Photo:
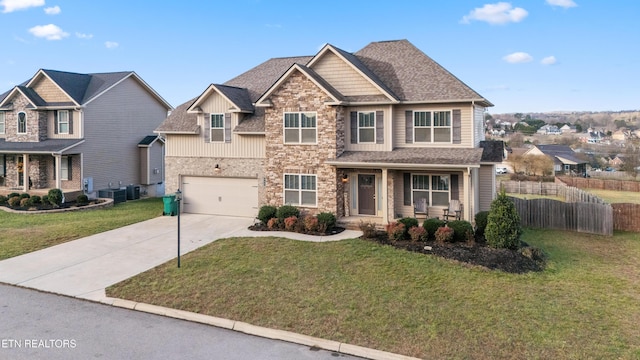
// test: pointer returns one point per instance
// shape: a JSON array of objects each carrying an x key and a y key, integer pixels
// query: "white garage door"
[{"x": 220, "y": 196}]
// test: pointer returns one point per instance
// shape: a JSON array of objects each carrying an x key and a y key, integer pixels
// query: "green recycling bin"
[{"x": 170, "y": 205}]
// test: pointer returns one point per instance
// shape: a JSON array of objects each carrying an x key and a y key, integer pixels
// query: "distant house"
[
  {"x": 549, "y": 130},
  {"x": 566, "y": 129},
  {"x": 564, "y": 158},
  {"x": 81, "y": 133},
  {"x": 617, "y": 160},
  {"x": 619, "y": 135}
]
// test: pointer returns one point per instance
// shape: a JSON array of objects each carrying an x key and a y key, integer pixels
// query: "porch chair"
[
  {"x": 453, "y": 211},
  {"x": 421, "y": 208}
]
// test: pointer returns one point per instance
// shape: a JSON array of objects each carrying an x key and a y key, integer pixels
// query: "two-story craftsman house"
[
  {"x": 80, "y": 133},
  {"x": 364, "y": 134}
]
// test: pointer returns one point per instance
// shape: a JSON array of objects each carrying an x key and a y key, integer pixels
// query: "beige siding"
[
  {"x": 434, "y": 211},
  {"x": 386, "y": 146},
  {"x": 478, "y": 125},
  {"x": 343, "y": 77},
  {"x": 49, "y": 91},
  {"x": 77, "y": 126},
  {"x": 114, "y": 125},
  {"x": 487, "y": 186},
  {"x": 399, "y": 132}
]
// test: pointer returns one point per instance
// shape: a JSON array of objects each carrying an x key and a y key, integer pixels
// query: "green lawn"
[
  {"x": 23, "y": 233},
  {"x": 613, "y": 197},
  {"x": 586, "y": 304}
]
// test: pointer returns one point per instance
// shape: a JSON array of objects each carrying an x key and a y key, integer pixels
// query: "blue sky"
[{"x": 524, "y": 56}]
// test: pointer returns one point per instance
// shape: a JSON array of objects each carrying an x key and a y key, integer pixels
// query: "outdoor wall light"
[
  {"x": 217, "y": 168},
  {"x": 345, "y": 178}
]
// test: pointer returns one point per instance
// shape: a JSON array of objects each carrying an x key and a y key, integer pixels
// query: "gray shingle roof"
[
  {"x": 180, "y": 121},
  {"x": 253, "y": 123},
  {"x": 562, "y": 151},
  {"x": 239, "y": 96},
  {"x": 412, "y": 75},
  {"x": 356, "y": 61},
  {"x": 38, "y": 147},
  {"x": 148, "y": 140},
  {"x": 416, "y": 156},
  {"x": 492, "y": 150}
]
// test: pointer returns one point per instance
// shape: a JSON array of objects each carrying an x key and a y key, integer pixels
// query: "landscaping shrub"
[
  {"x": 14, "y": 201},
  {"x": 311, "y": 223},
  {"x": 266, "y": 213},
  {"x": 503, "y": 224},
  {"x": 24, "y": 202},
  {"x": 55, "y": 197},
  {"x": 368, "y": 229},
  {"x": 395, "y": 231},
  {"x": 462, "y": 230},
  {"x": 286, "y": 211},
  {"x": 444, "y": 234},
  {"x": 24, "y": 196},
  {"x": 3, "y": 200},
  {"x": 13, "y": 194},
  {"x": 326, "y": 221},
  {"x": 290, "y": 223},
  {"x": 45, "y": 200},
  {"x": 408, "y": 222},
  {"x": 36, "y": 200},
  {"x": 432, "y": 225},
  {"x": 481, "y": 222},
  {"x": 273, "y": 223},
  {"x": 418, "y": 233},
  {"x": 82, "y": 199}
]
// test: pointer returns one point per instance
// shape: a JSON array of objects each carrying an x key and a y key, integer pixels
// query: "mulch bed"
[{"x": 332, "y": 231}]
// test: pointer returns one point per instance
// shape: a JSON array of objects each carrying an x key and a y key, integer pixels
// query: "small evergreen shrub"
[
  {"x": 368, "y": 229},
  {"x": 395, "y": 231},
  {"x": 266, "y": 213},
  {"x": 36, "y": 200},
  {"x": 82, "y": 199},
  {"x": 418, "y": 233},
  {"x": 3, "y": 200},
  {"x": 13, "y": 194},
  {"x": 481, "y": 222},
  {"x": 24, "y": 196},
  {"x": 462, "y": 229},
  {"x": 432, "y": 225},
  {"x": 24, "y": 202},
  {"x": 45, "y": 200},
  {"x": 286, "y": 211},
  {"x": 290, "y": 223},
  {"x": 14, "y": 201},
  {"x": 326, "y": 221},
  {"x": 408, "y": 222},
  {"x": 444, "y": 234},
  {"x": 55, "y": 197},
  {"x": 503, "y": 224},
  {"x": 311, "y": 223}
]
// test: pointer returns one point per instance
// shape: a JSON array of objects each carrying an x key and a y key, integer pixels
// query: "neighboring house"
[
  {"x": 565, "y": 129},
  {"x": 81, "y": 133},
  {"x": 620, "y": 135},
  {"x": 549, "y": 130},
  {"x": 362, "y": 134},
  {"x": 564, "y": 158},
  {"x": 617, "y": 161}
]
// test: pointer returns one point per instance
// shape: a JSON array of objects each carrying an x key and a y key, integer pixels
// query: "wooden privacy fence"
[
  {"x": 568, "y": 193},
  {"x": 584, "y": 217},
  {"x": 602, "y": 184},
  {"x": 626, "y": 217}
]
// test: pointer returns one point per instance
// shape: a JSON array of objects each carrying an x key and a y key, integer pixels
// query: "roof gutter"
[{"x": 397, "y": 166}]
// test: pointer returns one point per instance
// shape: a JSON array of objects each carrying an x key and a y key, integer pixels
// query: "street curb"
[{"x": 260, "y": 331}]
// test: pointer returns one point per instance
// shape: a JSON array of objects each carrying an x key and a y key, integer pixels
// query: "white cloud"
[
  {"x": 498, "y": 13},
  {"x": 49, "y": 32},
  {"x": 562, "y": 3},
  {"x": 111, "y": 44},
  {"x": 84, "y": 36},
  {"x": 52, "y": 10},
  {"x": 549, "y": 60},
  {"x": 518, "y": 57},
  {"x": 13, "y": 5}
]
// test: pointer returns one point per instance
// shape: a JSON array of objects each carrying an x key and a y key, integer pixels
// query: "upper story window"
[
  {"x": 300, "y": 190},
  {"x": 432, "y": 127},
  {"x": 217, "y": 127},
  {"x": 367, "y": 127},
  {"x": 22, "y": 122},
  {"x": 300, "y": 128},
  {"x": 63, "y": 121},
  {"x": 2, "y": 122}
]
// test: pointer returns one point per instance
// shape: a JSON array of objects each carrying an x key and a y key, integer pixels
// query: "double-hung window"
[
  {"x": 22, "y": 122},
  {"x": 300, "y": 190},
  {"x": 432, "y": 127},
  {"x": 367, "y": 127},
  {"x": 2, "y": 122},
  {"x": 63, "y": 121},
  {"x": 300, "y": 128},
  {"x": 434, "y": 188},
  {"x": 217, "y": 127}
]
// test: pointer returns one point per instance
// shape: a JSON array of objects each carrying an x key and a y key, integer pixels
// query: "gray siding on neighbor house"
[
  {"x": 114, "y": 124},
  {"x": 487, "y": 186}
]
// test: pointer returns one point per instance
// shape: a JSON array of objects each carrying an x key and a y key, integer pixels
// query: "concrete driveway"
[{"x": 84, "y": 268}]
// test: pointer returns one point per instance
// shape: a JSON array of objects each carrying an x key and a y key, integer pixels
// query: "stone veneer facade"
[
  {"x": 299, "y": 94},
  {"x": 36, "y": 122}
]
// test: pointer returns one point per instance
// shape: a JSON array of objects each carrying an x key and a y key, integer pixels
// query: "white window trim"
[
  {"x": 430, "y": 191},
  {"x": 63, "y": 122},
  {"x": 300, "y": 190},
  {"x": 367, "y": 127},
  {"x": 211, "y": 128},
  {"x": 64, "y": 164},
  {"x": 299, "y": 128},
  {"x": 3, "y": 123},
  {"x": 433, "y": 127},
  {"x": 18, "y": 123}
]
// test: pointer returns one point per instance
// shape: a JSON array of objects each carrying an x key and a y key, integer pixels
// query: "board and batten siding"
[
  {"x": 114, "y": 124},
  {"x": 478, "y": 125},
  {"x": 467, "y": 128},
  {"x": 343, "y": 77}
]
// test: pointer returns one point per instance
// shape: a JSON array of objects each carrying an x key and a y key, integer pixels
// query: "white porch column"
[
  {"x": 58, "y": 174},
  {"x": 466, "y": 211},
  {"x": 385, "y": 197},
  {"x": 25, "y": 172}
]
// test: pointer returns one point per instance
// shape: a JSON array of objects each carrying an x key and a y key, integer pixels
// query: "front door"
[{"x": 366, "y": 194}]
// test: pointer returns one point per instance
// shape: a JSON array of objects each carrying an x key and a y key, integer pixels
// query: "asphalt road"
[{"x": 37, "y": 325}]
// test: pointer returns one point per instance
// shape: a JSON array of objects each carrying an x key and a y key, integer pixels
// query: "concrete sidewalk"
[{"x": 84, "y": 268}]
